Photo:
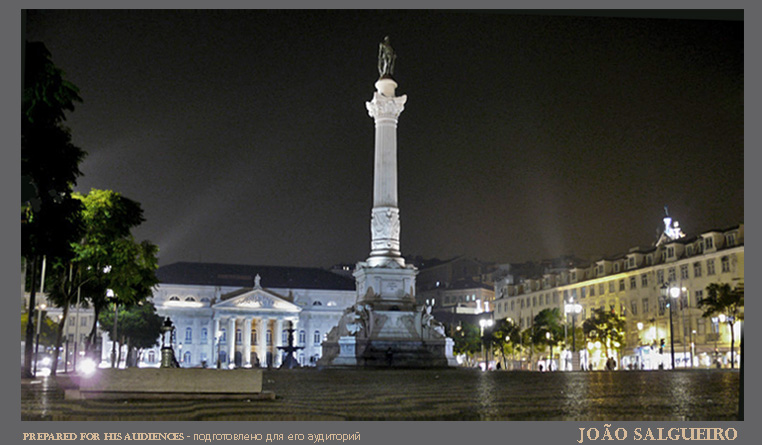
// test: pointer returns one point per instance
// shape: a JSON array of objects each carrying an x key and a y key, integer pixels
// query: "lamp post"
[
  {"x": 482, "y": 323},
  {"x": 673, "y": 293},
  {"x": 110, "y": 295},
  {"x": 40, "y": 308}
]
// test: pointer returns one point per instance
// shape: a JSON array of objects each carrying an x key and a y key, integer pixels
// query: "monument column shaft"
[
  {"x": 385, "y": 108},
  {"x": 385, "y": 166}
]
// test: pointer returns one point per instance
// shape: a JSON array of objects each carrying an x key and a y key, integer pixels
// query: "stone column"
[
  {"x": 246, "y": 343},
  {"x": 214, "y": 356},
  {"x": 261, "y": 342},
  {"x": 278, "y": 341},
  {"x": 231, "y": 340},
  {"x": 295, "y": 327},
  {"x": 385, "y": 108}
]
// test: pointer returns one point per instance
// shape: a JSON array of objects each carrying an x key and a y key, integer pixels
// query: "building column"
[
  {"x": 215, "y": 342},
  {"x": 295, "y": 327},
  {"x": 261, "y": 346},
  {"x": 278, "y": 341},
  {"x": 246, "y": 343},
  {"x": 231, "y": 340}
]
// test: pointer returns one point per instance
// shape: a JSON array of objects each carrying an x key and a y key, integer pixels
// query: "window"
[
  {"x": 690, "y": 250},
  {"x": 662, "y": 306},
  {"x": 583, "y": 291},
  {"x": 302, "y": 337},
  {"x": 284, "y": 337},
  {"x": 631, "y": 262},
  {"x": 684, "y": 272},
  {"x": 612, "y": 286},
  {"x": 190, "y": 299},
  {"x": 710, "y": 267},
  {"x": 534, "y": 301},
  {"x": 547, "y": 298},
  {"x": 621, "y": 284},
  {"x": 204, "y": 335},
  {"x": 697, "y": 269},
  {"x": 254, "y": 337},
  {"x": 223, "y": 336},
  {"x": 670, "y": 252},
  {"x": 633, "y": 282},
  {"x": 644, "y": 280},
  {"x": 616, "y": 267},
  {"x": 269, "y": 337},
  {"x": 645, "y": 305},
  {"x": 699, "y": 295},
  {"x": 600, "y": 270},
  {"x": 317, "y": 303},
  {"x": 574, "y": 294},
  {"x": 708, "y": 243},
  {"x": 238, "y": 336},
  {"x": 555, "y": 297},
  {"x": 672, "y": 275},
  {"x": 601, "y": 289},
  {"x": 649, "y": 260},
  {"x": 634, "y": 307},
  {"x": 730, "y": 240},
  {"x": 660, "y": 276},
  {"x": 592, "y": 290},
  {"x": 83, "y": 321},
  {"x": 316, "y": 338},
  {"x": 151, "y": 356},
  {"x": 574, "y": 276},
  {"x": 187, "y": 357},
  {"x": 522, "y": 303},
  {"x": 700, "y": 326},
  {"x": 174, "y": 298},
  {"x": 188, "y": 335},
  {"x": 725, "y": 261},
  {"x": 512, "y": 304}
]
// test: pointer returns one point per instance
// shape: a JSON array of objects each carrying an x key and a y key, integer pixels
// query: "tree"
[
  {"x": 466, "y": 339},
  {"x": 138, "y": 326},
  {"x": 548, "y": 329},
  {"x": 606, "y": 327},
  {"x": 722, "y": 300},
  {"x": 49, "y": 170},
  {"x": 48, "y": 329},
  {"x": 105, "y": 257},
  {"x": 506, "y": 338}
]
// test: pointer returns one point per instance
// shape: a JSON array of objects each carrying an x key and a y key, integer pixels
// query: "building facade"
[
  {"x": 631, "y": 286},
  {"x": 231, "y": 316}
]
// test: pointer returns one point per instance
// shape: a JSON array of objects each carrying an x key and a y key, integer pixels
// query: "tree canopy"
[
  {"x": 606, "y": 327},
  {"x": 49, "y": 170},
  {"x": 138, "y": 326}
]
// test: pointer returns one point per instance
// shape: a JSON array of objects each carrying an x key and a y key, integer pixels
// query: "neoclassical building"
[
  {"x": 238, "y": 315},
  {"x": 631, "y": 285}
]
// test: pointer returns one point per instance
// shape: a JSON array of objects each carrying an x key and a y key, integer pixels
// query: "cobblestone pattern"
[{"x": 456, "y": 394}]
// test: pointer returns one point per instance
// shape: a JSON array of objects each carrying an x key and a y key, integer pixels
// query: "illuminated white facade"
[
  {"x": 630, "y": 285},
  {"x": 239, "y": 315}
]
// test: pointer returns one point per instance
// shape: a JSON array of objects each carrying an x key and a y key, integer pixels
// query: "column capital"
[{"x": 382, "y": 107}]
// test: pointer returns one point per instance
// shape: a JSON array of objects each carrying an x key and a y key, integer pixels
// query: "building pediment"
[{"x": 257, "y": 299}]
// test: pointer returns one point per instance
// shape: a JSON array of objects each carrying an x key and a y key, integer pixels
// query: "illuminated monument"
[{"x": 386, "y": 327}]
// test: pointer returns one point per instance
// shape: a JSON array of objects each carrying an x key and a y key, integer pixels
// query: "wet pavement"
[{"x": 450, "y": 394}]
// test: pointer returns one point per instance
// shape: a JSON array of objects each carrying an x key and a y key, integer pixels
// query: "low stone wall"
[{"x": 168, "y": 382}]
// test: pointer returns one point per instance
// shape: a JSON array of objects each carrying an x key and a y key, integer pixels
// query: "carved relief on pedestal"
[
  {"x": 388, "y": 107},
  {"x": 385, "y": 228}
]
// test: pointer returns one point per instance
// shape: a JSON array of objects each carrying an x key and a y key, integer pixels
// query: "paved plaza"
[{"x": 446, "y": 394}]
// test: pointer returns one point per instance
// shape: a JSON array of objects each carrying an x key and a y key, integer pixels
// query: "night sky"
[{"x": 244, "y": 134}]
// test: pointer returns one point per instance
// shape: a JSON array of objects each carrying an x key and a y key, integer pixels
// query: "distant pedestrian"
[{"x": 540, "y": 367}]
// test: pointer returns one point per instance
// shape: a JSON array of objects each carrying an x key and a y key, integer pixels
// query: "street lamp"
[
  {"x": 40, "y": 308},
  {"x": 673, "y": 293},
  {"x": 110, "y": 295},
  {"x": 482, "y": 323}
]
